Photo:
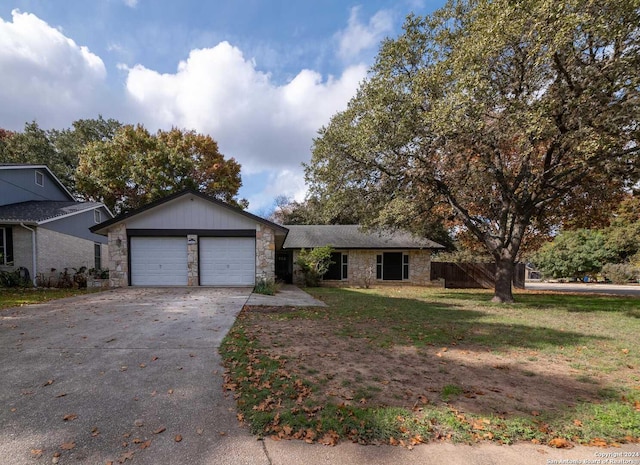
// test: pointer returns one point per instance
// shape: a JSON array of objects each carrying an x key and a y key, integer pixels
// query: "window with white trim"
[
  {"x": 97, "y": 255},
  {"x": 40, "y": 178},
  {"x": 392, "y": 266},
  {"x": 339, "y": 268},
  {"x": 6, "y": 246},
  {"x": 97, "y": 216}
]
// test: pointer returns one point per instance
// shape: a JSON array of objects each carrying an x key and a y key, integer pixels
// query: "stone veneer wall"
[
  {"x": 118, "y": 262},
  {"x": 265, "y": 253},
  {"x": 362, "y": 269},
  {"x": 192, "y": 260}
]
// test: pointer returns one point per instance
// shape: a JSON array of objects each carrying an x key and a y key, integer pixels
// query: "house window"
[
  {"x": 97, "y": 256},
  {"x": 345, "y": 266},
  {"x": 405, "y": 266},
  {"x": 339, "y": 267},
  {"x": 392, "y": 266},
  {"x": 39, "y": 178},
  {"x": 97, "y": 216},
  {"x": 6, "y": 246}
]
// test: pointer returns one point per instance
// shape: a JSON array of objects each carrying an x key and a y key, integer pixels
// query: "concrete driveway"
[{"x": 130, "y": 376}]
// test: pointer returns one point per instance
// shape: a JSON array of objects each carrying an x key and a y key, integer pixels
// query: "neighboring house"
[
  {"x": 190, "y": 239},
  {"x": 43, "y": 228},
  {"x": 361, "y": 258}
]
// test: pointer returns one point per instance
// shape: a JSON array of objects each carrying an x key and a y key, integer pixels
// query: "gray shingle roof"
[
  {"x": 352, "y": 237},
  {"x": 38, "y": 211}
]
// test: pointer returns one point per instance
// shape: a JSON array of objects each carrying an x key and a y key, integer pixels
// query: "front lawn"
[
  {"x": 19, "y": 297},
  {"x": 411, "y": 365}
]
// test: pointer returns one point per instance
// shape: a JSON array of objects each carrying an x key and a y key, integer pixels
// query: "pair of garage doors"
[{"x": 162, "y": 261}]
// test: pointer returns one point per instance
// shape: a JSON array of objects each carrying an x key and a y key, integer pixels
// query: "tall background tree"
[
  {"x": 503, "y": 119},
  {"x": 58, "y": 149},
  {"x": 136, "y": 167}
]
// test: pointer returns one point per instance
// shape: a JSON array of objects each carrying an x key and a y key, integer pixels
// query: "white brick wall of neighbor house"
[{"x": 55, "y": 252}]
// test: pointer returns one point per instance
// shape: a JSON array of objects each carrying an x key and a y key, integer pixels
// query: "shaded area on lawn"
[{"x": 392, "y": 320}]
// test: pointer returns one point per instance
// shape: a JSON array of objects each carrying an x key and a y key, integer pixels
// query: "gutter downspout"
[{"x": 33, "y": 251}]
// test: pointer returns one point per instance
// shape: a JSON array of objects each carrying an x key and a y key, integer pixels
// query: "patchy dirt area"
[{"x": 348, "y": 369}]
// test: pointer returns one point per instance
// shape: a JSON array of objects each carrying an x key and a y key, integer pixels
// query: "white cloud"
[
  {"x": 45, "y": 75},
  {"x": 218, "y": 91},
  {"x": 287, "y": 182},
  {"x": 358, "y": 37},
  {"x": 131, "y": 3}
]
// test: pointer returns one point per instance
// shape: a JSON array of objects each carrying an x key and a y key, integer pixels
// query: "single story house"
[
  {"x": 43, "y": 228},
  {"x": 191, "y": 239},
  {"x": 361, "y": 258}
]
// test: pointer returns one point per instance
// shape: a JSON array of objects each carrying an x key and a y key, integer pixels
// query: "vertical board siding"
[{"x": 190, "y": 212}]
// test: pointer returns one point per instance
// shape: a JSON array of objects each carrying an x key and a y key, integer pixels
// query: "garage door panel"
[
  {"x": 158, "y": 261},
  {"x": 227, "y": 261}
]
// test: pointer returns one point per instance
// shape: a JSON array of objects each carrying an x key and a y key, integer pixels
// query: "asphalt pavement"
[{"x": 586, "y": 288}]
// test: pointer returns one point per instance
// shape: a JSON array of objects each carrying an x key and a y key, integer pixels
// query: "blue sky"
[{"x": 261, "y": 77}]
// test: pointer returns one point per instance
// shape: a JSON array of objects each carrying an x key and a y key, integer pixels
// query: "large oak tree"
[{"x": 507, "y": 117}]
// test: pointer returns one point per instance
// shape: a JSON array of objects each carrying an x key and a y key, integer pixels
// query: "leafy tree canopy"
[
  {"x": 58, "y": 149},
  {"x": 136, "y": 167},
  {"x": 501, "y": 118},
  {"x": 573, "y": 254}
]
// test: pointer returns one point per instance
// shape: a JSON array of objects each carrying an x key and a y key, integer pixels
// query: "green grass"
[
  {"x": 20, "y": 297},
  {"x": 594, "y": 335}
]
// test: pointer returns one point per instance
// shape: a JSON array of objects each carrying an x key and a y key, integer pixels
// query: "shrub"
[
  {"x": 620, "y": 273},
  {"x": 16, "y": 278},
  {"x": 314, "y": 264},
  {"x": 266, "y": 287}
]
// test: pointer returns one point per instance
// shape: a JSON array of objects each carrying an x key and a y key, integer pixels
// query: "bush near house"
[{"x": 314, "y": 263}]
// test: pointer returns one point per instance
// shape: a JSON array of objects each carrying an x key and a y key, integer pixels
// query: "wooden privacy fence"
[{"x": 472, "y": 275}]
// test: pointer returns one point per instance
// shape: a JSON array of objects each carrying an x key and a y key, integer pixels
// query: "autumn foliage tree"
[
  {"x": 504, "y": 118},
  {"x": 136, "y": 167}
]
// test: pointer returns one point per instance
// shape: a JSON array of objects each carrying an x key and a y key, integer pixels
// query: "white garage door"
[
  {"x": 227, "y": 261},
  {"x": 158, "y": 261}
]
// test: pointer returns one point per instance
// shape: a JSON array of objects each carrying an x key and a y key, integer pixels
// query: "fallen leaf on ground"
[
  {"x": 36, "y": 452},
  {"x": 145, "y": 444},
  {"x": 199, "y": 431},
  {"x": 178, "y": 438},
  {"x": 330, "y": 438},
  {"x": 49, "y": 382},
  {"x": 560, "y": 443},
  {"x": 70, "y": 417},
  {"x": 68, "y": 445},
  {"x": 62, "y": 394},
  {"x": 162, "y": 429},
  {"x": 126, "y": 456},
  {"x": 170, "y": 391},
  {"x": 95, "y": 431}
]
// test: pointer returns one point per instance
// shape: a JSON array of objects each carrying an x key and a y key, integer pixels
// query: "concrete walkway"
[{"x": 287, "y": 296}]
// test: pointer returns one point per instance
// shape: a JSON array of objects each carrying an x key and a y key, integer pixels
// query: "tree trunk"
[{"x": 505, "y": 269}]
